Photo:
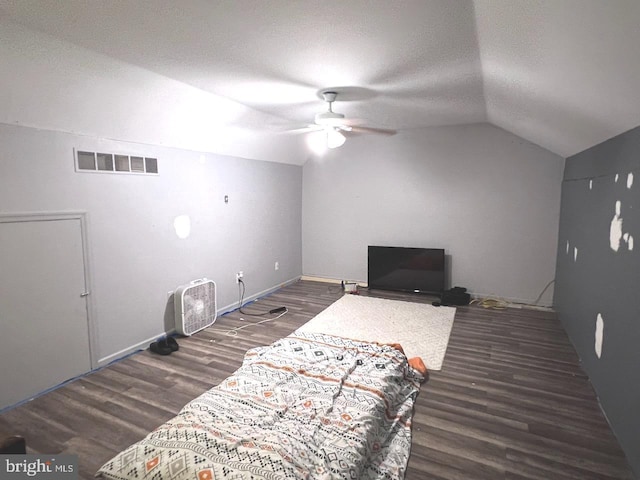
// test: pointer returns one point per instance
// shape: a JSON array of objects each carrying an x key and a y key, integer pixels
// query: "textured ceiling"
[{"x": 563, "y": 74}]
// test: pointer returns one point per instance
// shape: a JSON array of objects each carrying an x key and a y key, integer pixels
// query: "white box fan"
[{"x": 195, "y": 306}]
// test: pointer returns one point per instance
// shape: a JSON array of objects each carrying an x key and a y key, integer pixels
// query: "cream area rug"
[{"x": 423, "y": 330}]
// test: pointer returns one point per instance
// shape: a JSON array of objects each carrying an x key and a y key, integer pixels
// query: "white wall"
[
  {"x": 489, "y": 198},
  {"x": 50, "y": 84},
  {"x": 55, "y": 97},
  {"x": 136, "y": 256}
]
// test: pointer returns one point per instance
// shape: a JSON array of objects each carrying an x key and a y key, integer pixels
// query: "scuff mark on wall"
[
  {"x": 567, "y": 247},
  {"x": 590, "y": 184},
  {"x": 599, "y": 335},
  {"x": 575, "y": 254},
  {"x": 630, "y": 180},
  {"x": 182, "y": 225},
  {"x": 615, "y": 232},
  {"x": 617, "y": 177},
  {"x": 630, "y": 243}
]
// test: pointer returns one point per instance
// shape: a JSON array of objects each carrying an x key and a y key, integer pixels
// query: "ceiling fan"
[{"x": 336, "y": 125}]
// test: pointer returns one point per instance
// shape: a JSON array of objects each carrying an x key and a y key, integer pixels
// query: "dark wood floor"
[{"x": 511, "y": 401}]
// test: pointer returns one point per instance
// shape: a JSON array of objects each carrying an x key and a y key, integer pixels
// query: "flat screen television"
[{"x": 419, "y": 270}]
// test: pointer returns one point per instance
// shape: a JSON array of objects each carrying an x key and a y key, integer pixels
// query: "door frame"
[{"x": 82, "y": 217}]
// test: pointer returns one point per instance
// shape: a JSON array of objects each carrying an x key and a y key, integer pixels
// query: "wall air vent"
[{"x": 99, "y": 162}]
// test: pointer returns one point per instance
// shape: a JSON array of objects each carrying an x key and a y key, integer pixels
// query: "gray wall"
[
  {"x": 600, "y": 281},
  {"x": 489, "y": 198},
  {"x": 135, "y": 255}
]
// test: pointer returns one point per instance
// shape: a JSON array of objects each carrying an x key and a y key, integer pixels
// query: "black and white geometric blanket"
[{"x": 309, "y": 406}]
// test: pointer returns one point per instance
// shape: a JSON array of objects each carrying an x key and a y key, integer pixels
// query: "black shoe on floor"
[
  {"x": 160, "y": 347},
  {"x": 173, "y": 344}
]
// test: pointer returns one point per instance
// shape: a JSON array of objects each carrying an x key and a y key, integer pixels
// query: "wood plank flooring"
[{"x": 511, "y": 401}]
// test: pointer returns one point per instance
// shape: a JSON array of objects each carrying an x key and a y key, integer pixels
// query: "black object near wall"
[
  {"x": 598, "y": 277},
  {"x": 419, "y": 270}
]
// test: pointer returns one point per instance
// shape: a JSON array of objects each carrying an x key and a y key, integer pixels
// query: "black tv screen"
[{"x": 419, "y": 270}]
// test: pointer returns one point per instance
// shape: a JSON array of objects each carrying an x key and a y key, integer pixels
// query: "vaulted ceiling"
[{"x": 563, "y": 74}]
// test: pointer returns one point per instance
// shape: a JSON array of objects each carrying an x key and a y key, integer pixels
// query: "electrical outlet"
[
  {"x": 239, "y": 276},
  {"x": 277, "y": 266}
]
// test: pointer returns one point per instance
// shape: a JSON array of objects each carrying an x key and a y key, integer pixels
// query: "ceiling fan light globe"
[
  {"x": 317, "y": 142},
  {"x": 335, "y": 139}
]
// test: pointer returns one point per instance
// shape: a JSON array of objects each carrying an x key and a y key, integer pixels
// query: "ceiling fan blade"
[
  {"x": 307, "y": 129},
  {"x": 378, "y": 131}
]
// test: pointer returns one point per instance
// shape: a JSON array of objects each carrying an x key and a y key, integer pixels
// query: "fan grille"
[{"x": 195, "y": 307}]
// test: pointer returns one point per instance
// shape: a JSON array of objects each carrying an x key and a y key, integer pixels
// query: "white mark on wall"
[
  {"x": 567, "y": 247},
  {"x": 575, "y": 254},
  {"x": 182, "y": 225},
  {"x": 630, "y": 180},
  {"x": 590, "y": 184},
  {"x": 615, "y": 232},
  {"x": 617, "y": 177},
  {"x": 599, "y": 335}
]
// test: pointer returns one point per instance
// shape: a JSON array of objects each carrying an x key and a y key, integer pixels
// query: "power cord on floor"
[
  {"x": 234, "y": 331},
  {"x": 241, "y": 291},
  {"x": 501, "y": 304},
  {"x": 544, "y": 290},
  {"x": 492, "y": 303}
]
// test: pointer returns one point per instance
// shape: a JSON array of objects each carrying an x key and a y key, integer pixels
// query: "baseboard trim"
[
  {"x": 511, "y": 301},
  {"x": 515, "y": 302},
  {"x": 234, "y": 306},
  {"x": 313, "y": 278},
  {"x": 133, "y": 348},
  {"x": 221, "y": 311},
  {"x": 125, "y": 352}
]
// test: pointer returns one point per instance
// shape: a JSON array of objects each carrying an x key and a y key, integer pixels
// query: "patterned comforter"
[{"x": 310, "y": 406}]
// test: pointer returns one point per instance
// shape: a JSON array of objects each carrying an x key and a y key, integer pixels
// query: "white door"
[{"x": 44, "y": 331}]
